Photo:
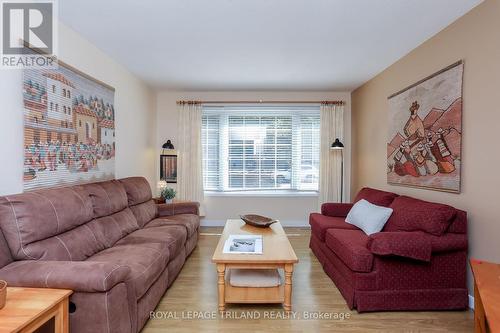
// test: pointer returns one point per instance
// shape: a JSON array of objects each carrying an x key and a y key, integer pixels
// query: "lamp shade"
[
  {"x": 168, "y": 145},
  {"x": 337, "y": 145}
]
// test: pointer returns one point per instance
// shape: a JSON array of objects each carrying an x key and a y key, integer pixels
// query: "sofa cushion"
[
  {"x": 146, "y": 262},
  {"x": 410, "y": 214},
  {"x": 336, "y": 209},
  {"x": 189, "y": 221},
  {"x": 144, "y": 212},
  {"x": 138, "y": 190},
  {"x": 350, "y": 247},
  {"x": 368, "y": 217},
  {"x": 110, "y": 229},
  {"x": 376, "y": 197},
  {"x": 173, "y": 236},
  {"x": 107, "y": 197},
  {"x": 321, "y": 223},
  {"x": 73, "y": 245},
  {"x": 37, "y": 215},
  {"x": 85, "y": 240}
]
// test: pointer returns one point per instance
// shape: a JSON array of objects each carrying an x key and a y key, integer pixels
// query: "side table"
[
  {"x": 486, "y": 296},
  {"x": 27, "y": 309}
]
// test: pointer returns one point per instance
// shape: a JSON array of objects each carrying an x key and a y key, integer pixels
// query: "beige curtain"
[
  {"x": 189, "y": 168},
  {"x": 332, "y": 127}
]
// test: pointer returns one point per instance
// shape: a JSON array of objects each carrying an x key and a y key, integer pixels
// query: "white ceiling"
[{"x": 259, "y": 44}]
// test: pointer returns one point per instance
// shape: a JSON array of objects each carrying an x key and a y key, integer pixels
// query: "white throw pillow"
[{"x": 368, "y": 217}]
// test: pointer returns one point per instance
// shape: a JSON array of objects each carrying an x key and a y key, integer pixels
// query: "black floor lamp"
[
  {"x": 167, "y": 145},
  {"x": 337, "y": 145}
]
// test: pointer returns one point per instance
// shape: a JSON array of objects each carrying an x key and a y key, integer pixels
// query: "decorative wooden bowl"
[
  {"x": 257, "y": 220},
  {"x": 3, "y": 293}
]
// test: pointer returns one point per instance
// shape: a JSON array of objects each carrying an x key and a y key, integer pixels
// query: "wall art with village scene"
[
  {"x": 425, "y": 132},
  {"x": 69, "y": 128}
]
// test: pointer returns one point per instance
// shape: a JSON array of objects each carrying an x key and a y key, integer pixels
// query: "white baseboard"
[
  {"x": 297, "y": 224},
  {"x": 211, "y": 223},
  {"x": 221, "y": 223},
  {"x": 471, "y": 302}
]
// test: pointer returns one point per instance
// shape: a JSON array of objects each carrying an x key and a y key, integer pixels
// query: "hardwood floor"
[{"x": 194, "y": 295}]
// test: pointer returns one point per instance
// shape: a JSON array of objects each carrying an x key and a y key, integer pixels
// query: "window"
[
  {"x": 68, "y": 94},
  {"x": 260, "y": 148},
  {"x": 64, "y": 92},
  {"x": 53, "y": 89}
]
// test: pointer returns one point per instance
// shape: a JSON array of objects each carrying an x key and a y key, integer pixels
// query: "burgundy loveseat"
[
  {"x": 417, "y": 262},
  {"x": 108, "y": 242}
]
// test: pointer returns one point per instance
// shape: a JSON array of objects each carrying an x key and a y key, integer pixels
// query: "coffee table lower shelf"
[{"x": 281, "y": 294}]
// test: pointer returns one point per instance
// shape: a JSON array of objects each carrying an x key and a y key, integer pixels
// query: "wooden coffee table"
[
  {"x": 277, "y": 253},
  {"x": 27, "y": 309}
]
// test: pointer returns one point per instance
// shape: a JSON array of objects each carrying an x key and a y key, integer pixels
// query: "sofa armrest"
[
  {"x": 449, "y": 242},
  {"x": 336, "y": 209},
  {"x": 414, "y": 245},
  {"x": 175, "y": 208},
  {"x": 83, "y": 276}
]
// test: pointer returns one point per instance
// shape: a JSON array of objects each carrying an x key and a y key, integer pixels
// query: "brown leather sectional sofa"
[{"x": 108, "y": 242}]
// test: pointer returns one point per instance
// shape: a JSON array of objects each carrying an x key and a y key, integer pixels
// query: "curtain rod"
[{"x": 262, "y": 102}]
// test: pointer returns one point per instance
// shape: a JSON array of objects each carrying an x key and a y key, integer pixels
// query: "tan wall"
[
  {"x": 134, "y": 104},
  {"x": 475, "y": 39}
]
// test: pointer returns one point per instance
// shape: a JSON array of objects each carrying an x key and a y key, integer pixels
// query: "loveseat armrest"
[
  {"x": 414, "y": 245},
  {"x": 336, "y": 209},
  {"x": 175, "y": 208},
  {"x": 449, "y": 242},
  {"x": 83, "y": 276}
]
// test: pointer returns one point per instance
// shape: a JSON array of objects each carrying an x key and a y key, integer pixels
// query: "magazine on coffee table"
[{"x": 243, "y": 244}]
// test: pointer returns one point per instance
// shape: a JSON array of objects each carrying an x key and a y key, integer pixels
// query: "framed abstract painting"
[{"x": 425, "y": 132}]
